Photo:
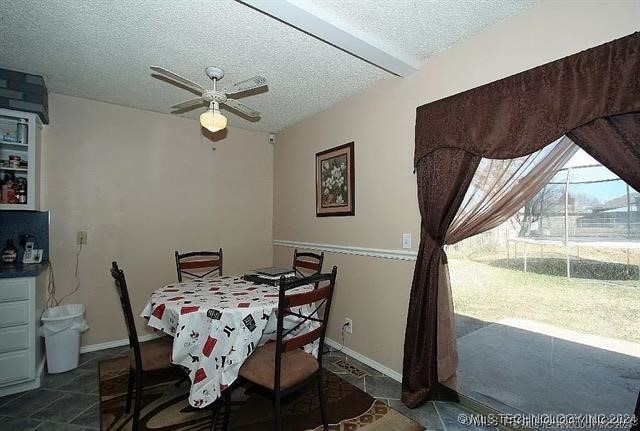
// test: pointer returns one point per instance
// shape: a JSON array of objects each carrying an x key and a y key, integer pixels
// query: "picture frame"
[{"x": 335, "y": 181}]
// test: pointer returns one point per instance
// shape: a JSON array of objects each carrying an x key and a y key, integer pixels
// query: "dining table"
[{"x": 216, "y": 324}]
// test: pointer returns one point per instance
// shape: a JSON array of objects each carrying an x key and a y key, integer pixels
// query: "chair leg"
[
  {"x": 321, "y": 396},
  {"x": 227, "y": 409},
  {"x": 215, "y": 413},
  {"x": 138, "y": 403},
  {"x": 276, "y": 411},
  {"x": 127, "y": 408}
]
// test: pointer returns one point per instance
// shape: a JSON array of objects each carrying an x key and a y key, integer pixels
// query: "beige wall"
[
  {"x": 144, "y": 184},
  {"x": 374, "y": 292}
]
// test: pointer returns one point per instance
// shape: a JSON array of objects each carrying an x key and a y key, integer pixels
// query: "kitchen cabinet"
[
  {"x": 20, "y": 136},
  {"x": 21, "y": 347}
]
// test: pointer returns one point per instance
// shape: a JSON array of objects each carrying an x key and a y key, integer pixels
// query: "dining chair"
[
  {"x": 199, "y": 264},
  {"x": 143, "y": 357},
  {"x": 283, "y": 367},
  {"x": 306, "y": 263}
]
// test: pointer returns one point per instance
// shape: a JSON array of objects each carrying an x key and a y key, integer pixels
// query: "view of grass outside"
[{"x": 485, "y": 288}]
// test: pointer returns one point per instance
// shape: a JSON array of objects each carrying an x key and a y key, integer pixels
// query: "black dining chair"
[
  {"x": 283, "y": 367},
  {"x": 199, "y": 264},
  {"x": 307, "y": 263},
  {"x": 143, "y": 357}
]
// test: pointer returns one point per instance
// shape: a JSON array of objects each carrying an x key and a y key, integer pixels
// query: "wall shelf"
[
  {"x": 14, "y": 169},
  {"x": 29, "y": 152},
  {"x": 14, "y": 207},
  {"x": 14, "y": 144}
]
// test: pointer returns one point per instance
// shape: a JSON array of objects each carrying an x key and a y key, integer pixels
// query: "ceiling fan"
[{"x": 212, "y": 119}]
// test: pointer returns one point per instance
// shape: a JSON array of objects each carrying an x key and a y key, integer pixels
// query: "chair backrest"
[
  {"x": 123, "y": 293},
  {"x": 320, "y": 297},
  {"x": 306, "y": 263},
  {"x": 199, "y": 264}
]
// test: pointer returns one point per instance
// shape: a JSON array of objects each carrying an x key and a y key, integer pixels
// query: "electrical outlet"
[
  {"x": 406, "y": 240},
  {"x": 82, "y": 237},
  {"x": 348, "y": 325}
]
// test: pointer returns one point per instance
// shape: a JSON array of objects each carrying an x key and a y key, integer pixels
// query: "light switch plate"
[{"x": 406, "y": 240}]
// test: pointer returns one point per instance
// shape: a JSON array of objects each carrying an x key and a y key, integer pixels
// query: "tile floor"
[
  {"x": 65, "y": 402},
  {"x": 436, "y": 415},
  {"x": 69, "y": 401}
]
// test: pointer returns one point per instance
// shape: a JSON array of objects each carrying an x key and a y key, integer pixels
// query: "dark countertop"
[{"x": 22, "y": 270}]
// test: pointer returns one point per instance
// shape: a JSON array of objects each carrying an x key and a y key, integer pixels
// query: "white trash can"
[{"x": 61, "y": 328}]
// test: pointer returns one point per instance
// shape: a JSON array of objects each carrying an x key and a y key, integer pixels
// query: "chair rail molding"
[{"x": 380, "y": 253}]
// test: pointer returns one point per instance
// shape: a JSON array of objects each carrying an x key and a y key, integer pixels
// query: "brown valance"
[{"x": 520, "y": 114}]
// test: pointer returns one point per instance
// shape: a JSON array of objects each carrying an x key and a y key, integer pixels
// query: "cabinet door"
[
  {"x": 16, "y": 366},
  {"x": 14, "y": 313},
  {"x": 15, "y": 289},
  {"x": 14, "y": 338}
]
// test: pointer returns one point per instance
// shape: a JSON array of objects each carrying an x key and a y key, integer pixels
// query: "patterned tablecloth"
[{"x": 216, "y": 323}]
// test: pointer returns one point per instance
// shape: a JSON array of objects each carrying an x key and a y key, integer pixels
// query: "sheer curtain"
[{"x": 498, "y": 190}]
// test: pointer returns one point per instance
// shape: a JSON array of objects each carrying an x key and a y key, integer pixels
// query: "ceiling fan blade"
[
  {"x": 179, "y": 79},
  {"x": 188, "y": 103},
  {"x": 241, "y": 107},
  {"x": 247, "y": 84}
]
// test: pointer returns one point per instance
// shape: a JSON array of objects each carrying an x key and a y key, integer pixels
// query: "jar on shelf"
[
  {"x": 22, "y": 131},
  {"x": 14, "y": 161}
]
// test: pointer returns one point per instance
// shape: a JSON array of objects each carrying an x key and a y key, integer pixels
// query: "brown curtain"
[
  {"x": 593, "y": 97},
  {"x": 518, "y": 115},
  {"x": 441, "y": 175},
  {"x": 615, "y": 142}
]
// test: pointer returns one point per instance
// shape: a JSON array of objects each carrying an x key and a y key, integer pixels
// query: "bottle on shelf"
[{"x": 21, "y": 194}]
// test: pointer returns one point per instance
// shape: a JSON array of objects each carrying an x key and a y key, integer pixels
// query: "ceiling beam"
[{"x": 331, "y": 32}]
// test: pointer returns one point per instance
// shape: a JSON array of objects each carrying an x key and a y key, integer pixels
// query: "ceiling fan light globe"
[{"x": 213, "y": 120}]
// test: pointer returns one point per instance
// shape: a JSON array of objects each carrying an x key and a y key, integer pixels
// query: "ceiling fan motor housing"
[{"x": 214, "y": 96}]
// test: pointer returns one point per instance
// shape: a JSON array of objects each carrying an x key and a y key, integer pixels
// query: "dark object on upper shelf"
[{"x": 30, "y": 92}]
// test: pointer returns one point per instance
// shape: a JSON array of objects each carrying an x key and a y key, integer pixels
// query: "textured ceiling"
[
  {"x": 102, "y": 49},
  {"x": 416, "y": 28}
]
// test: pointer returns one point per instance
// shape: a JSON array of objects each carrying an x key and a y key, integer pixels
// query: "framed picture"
[{"x": 335, "y": 182}]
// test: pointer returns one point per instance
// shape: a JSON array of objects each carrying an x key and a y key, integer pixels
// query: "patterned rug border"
[
  {"x": 340, "y": 425},
  {"x": 373, "y": 404}
]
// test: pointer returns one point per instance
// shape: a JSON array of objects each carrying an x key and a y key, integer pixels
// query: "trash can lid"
[{"x": 63, "y": 312}]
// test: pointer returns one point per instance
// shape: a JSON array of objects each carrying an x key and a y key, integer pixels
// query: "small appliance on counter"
[
  {"x": 9, "y": 253},
  {"x": 31, "y": 254}
]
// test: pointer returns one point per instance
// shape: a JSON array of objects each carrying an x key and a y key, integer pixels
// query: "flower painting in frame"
[{"x": 335, "y": 182}]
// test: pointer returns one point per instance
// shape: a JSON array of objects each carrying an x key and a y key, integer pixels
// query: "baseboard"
[
  {"x": 367, "y": 361},
  {"x": 115, "y": 343}
]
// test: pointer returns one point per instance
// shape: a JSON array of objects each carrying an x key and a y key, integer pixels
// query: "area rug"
[{"x": 166, "y": 407}]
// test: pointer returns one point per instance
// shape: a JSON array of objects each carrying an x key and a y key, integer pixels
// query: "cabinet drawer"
[
  {"x": 14, "y": 313},
  {"x": 16, "y": 366},
  {"x": 14, "y": 338},
  {"x": 15, "y": 289}
]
